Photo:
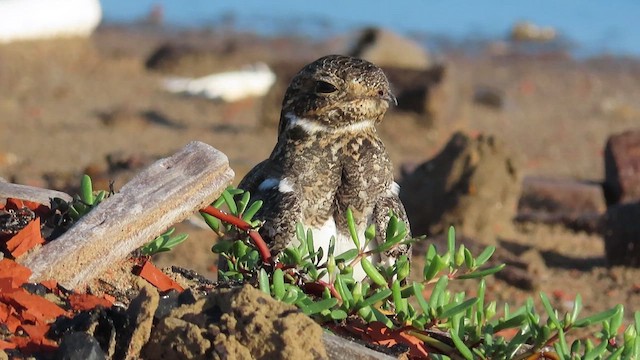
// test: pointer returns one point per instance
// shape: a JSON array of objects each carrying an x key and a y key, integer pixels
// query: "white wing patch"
[
  {"x": 394, "y": 189},
  {"x": 284, "y": 185}
]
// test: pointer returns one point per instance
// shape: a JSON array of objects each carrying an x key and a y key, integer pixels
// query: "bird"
[{"x": 328, "y": 158}]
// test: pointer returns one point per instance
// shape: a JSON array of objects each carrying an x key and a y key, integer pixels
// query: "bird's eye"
[{"x": 325, "y": 87}]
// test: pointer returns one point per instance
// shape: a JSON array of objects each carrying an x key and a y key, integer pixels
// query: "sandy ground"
[{"x": 66, "y": 105}]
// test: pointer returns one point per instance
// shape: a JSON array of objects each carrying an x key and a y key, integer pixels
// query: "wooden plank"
[
  {"x": 339, "y": 348},
  {"x": 30, "y": 193},
  {"x": 167, "y": 192}
]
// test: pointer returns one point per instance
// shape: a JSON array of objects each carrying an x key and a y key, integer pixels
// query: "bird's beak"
[{"x": 390, "y": 98}]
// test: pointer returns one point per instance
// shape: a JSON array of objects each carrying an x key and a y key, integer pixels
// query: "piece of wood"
[
  {"x": 167, "y": 192},
  {"x": 341, "y": 348},
  {"x": 30, "y": 193}
]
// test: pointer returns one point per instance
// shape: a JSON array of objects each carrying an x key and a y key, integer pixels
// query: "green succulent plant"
[{"x": 451, "y": 325}]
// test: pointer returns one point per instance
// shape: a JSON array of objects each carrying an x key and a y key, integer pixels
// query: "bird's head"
[{"x": 336, "y": 93}]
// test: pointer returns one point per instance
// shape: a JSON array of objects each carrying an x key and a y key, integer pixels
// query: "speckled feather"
[{"x": 328, "y": 156}]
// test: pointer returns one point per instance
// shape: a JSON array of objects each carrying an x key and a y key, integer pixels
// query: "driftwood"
[
  {"x": 30, "y": 193},
  {"x": 167, "y": 192},
  {"x": 341, "y": 348}
]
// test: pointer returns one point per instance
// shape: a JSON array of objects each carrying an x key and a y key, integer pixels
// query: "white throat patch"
[{"x": 312, "y": 127}]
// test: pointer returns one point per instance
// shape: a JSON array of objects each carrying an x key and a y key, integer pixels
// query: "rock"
[
  {"x": 472, "y": 184},
  {"x": 576, "y": 204},
  {"x": 622, "y": 167},
  {"x": 168, "y": 56},
  {"x": 80, "y": 346},
  {"x": 240, "y": 323},
  {"x": 528, "y": 31},
  {"x": 489, "y": 96},
  {"x": 383, "y": 48},
  {"x": 621, "y": 232},
  {"x": 419, "y": 91}
]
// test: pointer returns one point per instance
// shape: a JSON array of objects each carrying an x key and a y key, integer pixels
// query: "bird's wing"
[{"x": 280, "y": 210}]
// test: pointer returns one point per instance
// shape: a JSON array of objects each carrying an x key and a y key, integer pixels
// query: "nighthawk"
[{"x": 328, "y": 158}]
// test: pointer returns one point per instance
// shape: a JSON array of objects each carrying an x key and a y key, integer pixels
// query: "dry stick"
[
  {"x": 30, "y": 193},
  {"x": 166, "y": 192}
]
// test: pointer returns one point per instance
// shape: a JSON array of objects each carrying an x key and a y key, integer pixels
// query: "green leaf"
[
  {"x": 300, "y": 234},
  {"x": 577, "y": 306},
  {"x": 451, "y": 241},
  {"x": 100, "y": 196},
  {"x": 485, "y": 255},
  {"x": 351, "y": 224},
  {"x": 346, "y": 296},
  {"x": 434, "y": 299},
  {"x": 616, "y": 320},
  {"x": 462, "y": 348},
  {"x": 86, "y": 190},
  {"x": 223, "y": 246},
  {"x": 231, "y": 204},
  {"x": 347, "y": 255},
  {"x": 417, "y": 291},
  {"x": 212, "y": 221},
  {"x": 469, "y": 261},
  {"x": 252, "y": 210},
  {"x": 370, "y": 232},
  {"x": 338, "y": 314},
  {"x": 278, "y": 284},
  {"x": 436, "y": 264},
  {"x": 263, "y": 281},
  {"x": 319, "y": 306},
  {"x": 372, "y": 272},
  {"x": 380, "y": 295},
  {"x": 392, "y": 227},
  {"x": 512, "y": 322},
  {"x": 391, "y": 242},
  {"x": 453, "y": 309},
  {"x": 243, "y": 202},
  {"x": 596, "y": 318},
  {"x": 379, "y": 316},
  {"x": 402, "y": 267},
  {"x": 481, "y": 273},
  {"x": 550, "y": 311},
  {"x": 562, "y": 344},
  {"x": 398, "y": 301},
  {"x": 458, "y": 259}
]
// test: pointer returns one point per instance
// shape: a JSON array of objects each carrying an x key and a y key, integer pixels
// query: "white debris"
[
  {"x": 228, "y": 86},
  {"x": 43, "y": 19}
]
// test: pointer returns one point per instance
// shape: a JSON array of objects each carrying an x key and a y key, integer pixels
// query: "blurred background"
[
  {"x": 519, "y": 122},
  {"x": 591, "y": 27}
]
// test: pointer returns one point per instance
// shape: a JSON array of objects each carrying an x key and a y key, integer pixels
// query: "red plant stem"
[
  {"x": 258, "y": 241},
  {"x": 331, "y": 288}
]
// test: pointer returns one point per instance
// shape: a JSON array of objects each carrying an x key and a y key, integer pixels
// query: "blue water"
[{"x": 594, "y": 26}]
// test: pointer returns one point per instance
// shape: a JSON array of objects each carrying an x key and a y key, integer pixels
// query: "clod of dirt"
[
  {"x": 241, "y": 323},
  {"x": 141, "y": 312},
  {"x": 473, "y": 183}
]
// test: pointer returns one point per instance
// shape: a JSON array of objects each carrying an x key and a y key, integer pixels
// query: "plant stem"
[{"x": 258, "y": 241}]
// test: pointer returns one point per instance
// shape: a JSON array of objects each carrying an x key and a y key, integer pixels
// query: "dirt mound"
[{"x": 239, "y": 324}]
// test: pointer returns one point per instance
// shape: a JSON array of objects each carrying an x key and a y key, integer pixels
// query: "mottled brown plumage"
[{"x": 328, "y": 156}]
